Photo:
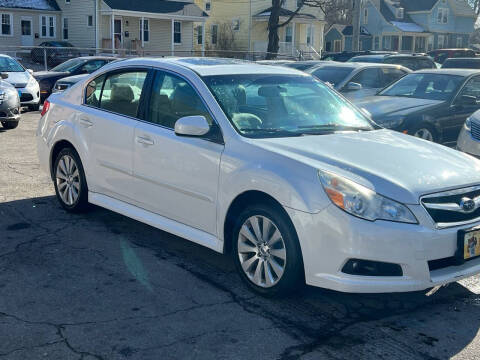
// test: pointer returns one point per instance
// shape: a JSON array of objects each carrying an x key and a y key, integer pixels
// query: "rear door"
[
  {"x": 176, "y": 177},
  {"x": 108, "y": 125}
]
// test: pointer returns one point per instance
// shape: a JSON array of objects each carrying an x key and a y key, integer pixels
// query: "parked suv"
[
  {"x": 269, "y": 165},
  {"x": 413, "y": 62},
  {"x": 55, "y": 52},
  {"x": 440, "y": 55}
]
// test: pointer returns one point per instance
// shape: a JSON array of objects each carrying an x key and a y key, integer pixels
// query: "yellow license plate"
[{"x": 471, "y": 244}]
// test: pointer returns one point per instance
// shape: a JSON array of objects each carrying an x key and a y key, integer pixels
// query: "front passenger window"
[
  {"x": 172, "y": 98},
  {"x": 121, "y": 92}
]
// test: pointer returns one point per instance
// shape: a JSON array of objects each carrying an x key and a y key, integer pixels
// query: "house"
[
  {"x": 418, "y": 25},
  {"x": 339, "y": 38},
  {"x": 146, "y": 26},
  {"x": 247, "y": 26}
]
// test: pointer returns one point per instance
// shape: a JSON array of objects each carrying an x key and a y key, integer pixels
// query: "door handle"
[
  {"x": 85, "y": 122},
  {"x": 145, "y": 140}
]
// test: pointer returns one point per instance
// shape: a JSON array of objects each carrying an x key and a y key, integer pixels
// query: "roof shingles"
[
  {"x": 157, "y": 7},
  {"x": 44, "y": 5}
]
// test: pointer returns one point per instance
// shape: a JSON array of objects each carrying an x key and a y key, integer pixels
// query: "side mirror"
[
  {"x": 467, "y": 100},
  {"x": 3, "y": 76},
  {"x": 192, "y": 126},
  {"x": 30, "y": 71},
  {"x": 353, "y": 86}
]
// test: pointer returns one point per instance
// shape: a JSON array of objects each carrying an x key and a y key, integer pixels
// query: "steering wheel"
[{"x": 247, "y": 121}]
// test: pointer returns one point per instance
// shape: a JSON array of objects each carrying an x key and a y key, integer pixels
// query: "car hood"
[
  {"x": 398, "y": 166},
  {"x": 381, "y": 106},
  {"x": 18, "y": 77},
  {"x": 49, "y": 74}
]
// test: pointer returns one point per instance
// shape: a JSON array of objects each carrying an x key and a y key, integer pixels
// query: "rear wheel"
[
  {"x": 266, "y": 251},
  {"x": 70, "y": 184},
  {"x": 8, "y": 125}
]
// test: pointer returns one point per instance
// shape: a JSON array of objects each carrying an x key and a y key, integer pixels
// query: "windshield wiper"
[
  {"x": 271, "y": 132},
  {"x": 330, "y": 128}
]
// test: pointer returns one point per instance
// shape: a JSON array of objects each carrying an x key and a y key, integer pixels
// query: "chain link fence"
[{"x": 40, "y": 58}]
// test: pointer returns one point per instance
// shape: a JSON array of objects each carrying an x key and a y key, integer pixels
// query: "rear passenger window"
[
  {"x": 368, "y": 78},
  {"x": 121, "y": 92},
  {"x": 93, "y": 91},
  {"x": 391, "y": 75},
  {"x": 172, "y": 98}
]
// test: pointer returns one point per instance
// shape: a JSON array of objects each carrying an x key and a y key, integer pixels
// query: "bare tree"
[
  {"x": 225, "y": 39},
  {"x": 329, "y": 7}
]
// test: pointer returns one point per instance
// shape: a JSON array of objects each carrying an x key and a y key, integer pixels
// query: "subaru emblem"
[{"x": 467, "y": 205}]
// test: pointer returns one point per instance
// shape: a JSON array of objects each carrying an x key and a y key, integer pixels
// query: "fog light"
[{"x": 371, "y": 268}]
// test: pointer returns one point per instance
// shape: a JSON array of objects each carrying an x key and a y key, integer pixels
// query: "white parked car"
[
  {"x": 23, "y": 80},
  {"x": 269, "y": 164}
]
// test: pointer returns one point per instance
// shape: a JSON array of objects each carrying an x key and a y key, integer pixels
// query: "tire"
[
  {"x": 34, "y": 107},
  {"x": 69, "y": 179},
  {"x": 262, "y": 274},
  {"x": 426, "y": 132},
  {"x": 8, "y": 125}
]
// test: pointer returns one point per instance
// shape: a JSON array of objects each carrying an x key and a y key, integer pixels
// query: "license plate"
[{"x": 468, "y": 244}]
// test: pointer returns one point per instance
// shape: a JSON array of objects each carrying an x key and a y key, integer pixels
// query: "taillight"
[{"x": 46, "y": 106}]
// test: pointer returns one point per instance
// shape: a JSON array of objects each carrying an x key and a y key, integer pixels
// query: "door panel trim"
[{"x": 114, "y": 168}]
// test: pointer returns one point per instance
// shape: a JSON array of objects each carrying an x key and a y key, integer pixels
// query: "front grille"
[
  {"x": 26, "y": 97},
  {"x": 446, "y": 208},
  {"x": 475, "y": 130},
  {"x": 442, "y": 263}
]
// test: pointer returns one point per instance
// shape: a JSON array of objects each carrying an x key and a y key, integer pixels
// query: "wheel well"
[
  {"x": 59, "y": 146},
  {"x": 238, "y": 205}
]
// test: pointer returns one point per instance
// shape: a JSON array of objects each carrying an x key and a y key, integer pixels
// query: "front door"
[
  {"x": 117, "y": 31},
  {"x": 176, "y": 177},
  {"x": 27, "y": 35}
]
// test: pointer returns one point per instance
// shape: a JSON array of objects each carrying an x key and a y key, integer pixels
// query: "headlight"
[
  {"x": 31, "y": 81},
  {"x": 362, "y": 202},
  {"x": 391, "y": 122},
  {"x": 3, "y": 96},
  {"x": 468, "y": 124}
]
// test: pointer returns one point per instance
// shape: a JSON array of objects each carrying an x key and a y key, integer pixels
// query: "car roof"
[
  {"x": 463, "y": 59},
  {"x": 409, "y": 55},
  {"x": 214, "y": 66},
  {"x": 355, "y": 65},
  {"x": 459, "y": 72},
  {"x": 374, "y": 56}
]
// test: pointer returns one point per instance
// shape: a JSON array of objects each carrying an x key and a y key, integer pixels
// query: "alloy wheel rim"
[
  {"x": 424, "y": 134},
  {"x": 68, "y": 180},
  {"x": 262, "y": 252}
]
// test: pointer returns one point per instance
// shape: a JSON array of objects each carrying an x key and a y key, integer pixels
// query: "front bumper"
[
  {"x": 29, "y": 95},
  {"x": 467, "y": 143},
  {"x": 10, "y": 108},
  {"x": 332, "y": 237}
]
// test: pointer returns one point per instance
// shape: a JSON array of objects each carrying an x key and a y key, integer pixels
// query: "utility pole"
[{"x": 356, "y": 24}]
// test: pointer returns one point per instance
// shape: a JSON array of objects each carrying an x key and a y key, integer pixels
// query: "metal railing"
[{"x": 44, "y": 58}]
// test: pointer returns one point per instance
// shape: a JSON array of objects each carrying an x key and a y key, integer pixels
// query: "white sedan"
[
  {"x": 23, "y": 80},
  {"x": 270, "y": 165}
]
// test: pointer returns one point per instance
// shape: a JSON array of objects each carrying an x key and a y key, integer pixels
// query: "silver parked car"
[
  {"x": 9, "y": 104},
  {"x": 67, "y": 82},
  {"x": 469, "y": 137},
  {"x": 358, "y": 80}
]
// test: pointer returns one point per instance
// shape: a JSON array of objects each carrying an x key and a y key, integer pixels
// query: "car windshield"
[
  {"x": 276, "y": 105},
  {"x": 425, "y": 86},
  {"x": 69, "y": 65},
  {"x": 8, "y": 64},
  {"x": 332, "y": 74}
]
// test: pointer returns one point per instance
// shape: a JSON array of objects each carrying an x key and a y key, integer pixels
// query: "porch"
[{"x": 405, "y": 42}]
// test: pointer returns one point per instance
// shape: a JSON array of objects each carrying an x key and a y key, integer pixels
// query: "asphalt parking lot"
[{"x": 102, "y": 286}]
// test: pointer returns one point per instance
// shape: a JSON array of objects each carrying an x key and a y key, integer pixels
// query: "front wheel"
[
  {"x": 266, "y": 251},
  {"x": 70, "y": 184},
  {"x": 425, "y": 132}
]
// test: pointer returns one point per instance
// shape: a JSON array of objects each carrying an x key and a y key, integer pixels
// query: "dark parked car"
[
  {"x": 56, "y": 51},
  {"x": 77, "y": 66},
  {"x": 430, "y": 104},
  {"x": 440, "y": 55},
  {"x": 357, "y": 80},
  {"x": 347, "y": 55},
  {"x": 305, "y": 65},
  {"x": 413, "y": 62},
  {"x": 462, "y": 63}
]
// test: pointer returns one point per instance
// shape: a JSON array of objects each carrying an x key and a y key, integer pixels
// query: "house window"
[
  {"x": 399, "y": 13},
  {"x": 65, "y": 28},
  {"x": 145, "y": 34},
  {"x": 430, "y": 43},
  {"x": 299, "y": 3},
  {"x": 376, "y": 43},
  {"x": 6, "y": 24},
  {"x": 442, "y": 16},
  {"x": 337, "y": 45},
  {"x": 365, "y": 16},
  {"x": 207, "y": 6},
  {"x": 214, "y": 33},
  {"x": 288, "y": 34},
  {"x": 177, "y": 32},
  {"x": 420, "y": 44},
  {"x": 235, "y": 24},
  {"x": 199, "y": 35},
  {"x": 387, "y": 42},
  {"x": 90, "y": 20},
  {"x": 67, "y": 1},
  {"x": 459, "y": 42},
  {"x": 441, "y": 41},
  {"x": 309, "y": 34},
  {"x": 47, "y": 26}
]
